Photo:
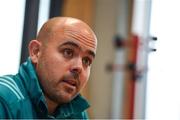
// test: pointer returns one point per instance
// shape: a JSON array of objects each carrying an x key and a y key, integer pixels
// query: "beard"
[{"x": 59, "y": 91}]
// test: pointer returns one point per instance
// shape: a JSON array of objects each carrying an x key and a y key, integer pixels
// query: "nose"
[{"x": 77, "y": 66}]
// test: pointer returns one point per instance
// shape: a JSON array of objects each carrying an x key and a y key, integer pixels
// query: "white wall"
[
  {"x": 11, "y": 28},
  {"x": 163, "y": 85},
  {"x": 11, "y": 31}
]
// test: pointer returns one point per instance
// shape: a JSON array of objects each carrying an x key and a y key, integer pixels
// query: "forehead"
[
  {"x": 79, "y": 42},
  {"x": 83, "y": 37},
  {"x": 80, "y": 34}
]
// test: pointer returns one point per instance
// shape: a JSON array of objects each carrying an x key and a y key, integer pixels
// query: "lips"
[{"x": 71, "y": 82}]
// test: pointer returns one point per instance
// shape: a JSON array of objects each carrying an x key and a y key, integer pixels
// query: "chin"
[
  {"x": 65, "y": 95},
  {"x": 66, "y": 98}
]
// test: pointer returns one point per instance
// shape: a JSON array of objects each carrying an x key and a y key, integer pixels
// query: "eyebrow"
[{"x": 77, "y": 46}]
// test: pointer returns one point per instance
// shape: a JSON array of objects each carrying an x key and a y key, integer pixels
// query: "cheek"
[
  {"x": 55, "y": 61},
  {"x": 85, "y": 78},
  {"x": 51, "y": 67},
  {"x": 55, "y": 69}
]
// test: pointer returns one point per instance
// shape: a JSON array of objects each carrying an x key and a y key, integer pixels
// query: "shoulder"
[{"x": 9, "y": 90}]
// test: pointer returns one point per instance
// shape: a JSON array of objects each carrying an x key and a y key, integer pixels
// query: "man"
[{"x": 49, "y": 82}]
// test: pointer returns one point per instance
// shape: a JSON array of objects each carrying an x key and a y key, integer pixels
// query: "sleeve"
[{"x": 4, "y": 111}]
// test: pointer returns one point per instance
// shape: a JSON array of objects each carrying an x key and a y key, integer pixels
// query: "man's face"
[{"x": 64, "y": 64}]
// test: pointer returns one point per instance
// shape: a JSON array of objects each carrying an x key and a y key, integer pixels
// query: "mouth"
[{"x": 72, "y": 83}]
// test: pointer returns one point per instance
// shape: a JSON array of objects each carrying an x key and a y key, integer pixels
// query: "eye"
[
  {"x": 68, "y": 53},
  {"x": 87, "y": 61}
]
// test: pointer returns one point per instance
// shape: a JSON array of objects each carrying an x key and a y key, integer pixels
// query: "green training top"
[{"x": 21, "y": 97}]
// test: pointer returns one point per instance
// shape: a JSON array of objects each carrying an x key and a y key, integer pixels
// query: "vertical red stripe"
[{"x": 134, "y": 47}]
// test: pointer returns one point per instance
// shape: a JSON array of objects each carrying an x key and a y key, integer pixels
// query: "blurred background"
[{"x": 135, "y": 74}]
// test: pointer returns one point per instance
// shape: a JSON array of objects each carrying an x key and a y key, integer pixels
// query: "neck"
[{"x": 51, "y": 105}]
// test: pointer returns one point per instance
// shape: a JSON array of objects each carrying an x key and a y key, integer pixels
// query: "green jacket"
[{"x": 21, "y": 97}]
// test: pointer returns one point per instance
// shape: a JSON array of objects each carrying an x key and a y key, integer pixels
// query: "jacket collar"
[
  {"x": 32, "y": 85},
  {"x": 77, "y": 105}
]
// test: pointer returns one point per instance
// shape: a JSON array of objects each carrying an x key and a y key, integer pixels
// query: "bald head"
[{"x": 65, "y": 26}]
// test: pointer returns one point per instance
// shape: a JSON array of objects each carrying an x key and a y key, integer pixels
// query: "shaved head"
[{"x": 63, "y": 25}]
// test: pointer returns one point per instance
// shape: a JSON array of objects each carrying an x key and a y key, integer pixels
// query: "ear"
[{"x": 34, "y": 50}]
